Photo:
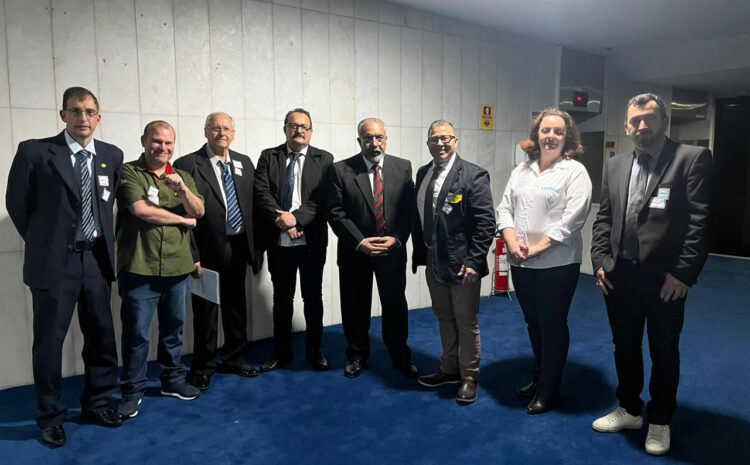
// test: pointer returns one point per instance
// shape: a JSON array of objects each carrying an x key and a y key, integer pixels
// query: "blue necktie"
[
  {"x": 234, "y": 215},
  {"x": 88, "y": 226},
  {"x": 286, "y": 199}
]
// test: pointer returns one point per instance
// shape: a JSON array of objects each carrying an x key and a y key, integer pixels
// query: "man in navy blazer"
[
  {"x": 289, "y": 192},
  {"x": 69, "y": 257},
  {"x": 219, "y": 247},
  {"x": 369, "y": 209},
  {"x": 452, "y": 234},
  {"x": 649, "y": 243}
]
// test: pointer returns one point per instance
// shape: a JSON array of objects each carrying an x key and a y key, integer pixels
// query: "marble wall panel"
[
  {"x": 432, "y": 77},
  {"x": 156, "y": 56},
  {"x": 316, "y": 91},
  {"x": 227, "y": 66},
  {"x": 287, "y": 58},
  {"x": 123, "y": 130},
  {"x": 503, "y": 106},
  {"x": 10, "y": 240},
  {"x": 341, "y": 7},
  {"x": 388, "y": 13},
  {"x": 117, "y": 56},
  {"x": 411, "y": 77},
  {"x": 366, "y": 9},
  {"x": 314, "y": 5},
  {"x": 341, "y": 61},
  {"x": 71, "y": 66},
  {"x": 470, "y": 84},
  {"x": 258, "y": 50},
  {"x": 193, "y": 57},
  {"x": 389, "y": 74},
  {"x": 452, "y": 80},
  {"x": 294, "y": 3},
  {"x": 365, "y": 69},
  {"x": 4, "y": 86},
  {"x": 30, "y": 56},
  {"x": 469, "y": 144}
]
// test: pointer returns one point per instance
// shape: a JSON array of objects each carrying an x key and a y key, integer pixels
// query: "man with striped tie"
[
  {"x": 291, "y": 219},
  {"x": 157, "y": 206},
  {"x": 369, "y": 209},
  {"x": 224, "y": 242},
  {"x": 60, "y": 195}
]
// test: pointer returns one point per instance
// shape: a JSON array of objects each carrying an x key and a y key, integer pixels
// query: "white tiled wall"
[{"x": 178, "y": 60}]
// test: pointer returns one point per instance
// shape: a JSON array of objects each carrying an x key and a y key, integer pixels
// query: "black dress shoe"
[
  {"x": 353, "y": 368},
  {"x": 244, "y": 370},
  {"x": 539, "y": 404},
  {"x": 276, "y": 362},
  {"x": 467, "y": 393},
  {"x": 439, "y": 378},
  {"x": 317, "y": 360},
  {"x": 202, "y": 382},
  {"x": 528, "y": 390},
  {"x": 103, "y": 417},
  {"x": 407, "y": 369},
  {"x": 54, "y": 436}
]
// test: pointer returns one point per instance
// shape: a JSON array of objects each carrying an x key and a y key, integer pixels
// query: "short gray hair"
[
  {"x": 368, "y": 120},
  {"x": 641, "y": 100},
  {"x": 217, "y": 113},
  {"x": 437, "y": 123}
]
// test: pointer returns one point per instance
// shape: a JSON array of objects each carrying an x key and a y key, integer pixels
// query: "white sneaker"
[
  {"x": 616, "y": 421},
  {"x": 658, "y": 439}
]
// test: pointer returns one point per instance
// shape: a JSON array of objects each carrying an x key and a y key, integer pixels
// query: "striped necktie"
[
  {"x": 234, "y": 215},
  {"x": 88, "y": 226},
  {"x": 377, "y": 195}
]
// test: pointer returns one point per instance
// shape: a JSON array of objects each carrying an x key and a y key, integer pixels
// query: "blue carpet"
[{"x": 297, "y": 416}]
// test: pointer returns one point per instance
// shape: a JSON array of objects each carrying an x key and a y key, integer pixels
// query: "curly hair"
[{"x": 572, "y": 147}]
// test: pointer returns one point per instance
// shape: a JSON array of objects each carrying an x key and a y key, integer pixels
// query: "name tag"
[
  {"x": 153, "y": 195},
  {"x": 663, "y": 193},
  {"x": 103, "y": 181},
  {"x": 105, "y": 195},
  {"x": 237, "y": 164},
  {"x": 237, "y": 171},
  {"x": 447, "y": 208},
  {"x": 656, "y": 202}
]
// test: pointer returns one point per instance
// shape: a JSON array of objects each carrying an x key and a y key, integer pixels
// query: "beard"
[{"x": 374, "y": 156}]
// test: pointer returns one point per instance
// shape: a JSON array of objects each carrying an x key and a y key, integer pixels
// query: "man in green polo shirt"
[{"x": 157, "y": 207}]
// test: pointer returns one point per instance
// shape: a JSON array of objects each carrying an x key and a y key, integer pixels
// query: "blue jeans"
[{"x": 141, "y": 296}]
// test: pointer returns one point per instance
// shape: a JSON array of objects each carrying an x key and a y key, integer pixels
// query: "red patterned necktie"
[{"x": 377, "y": 194}]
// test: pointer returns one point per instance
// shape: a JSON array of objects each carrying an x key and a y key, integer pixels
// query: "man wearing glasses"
[
  {"x": 369, "y": 208},
  {"x": 291, "y": 219},
  {"x": 451, "y": 236},
  {"x": 223, "y": 242},
  {"x": 60, "y": 195}
]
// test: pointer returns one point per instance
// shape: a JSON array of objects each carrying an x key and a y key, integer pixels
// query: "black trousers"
[
  {"x": 81, "y": 283},
  {"x": 355, "y": 283},
  {"x": 283, "y": 263},
  {"x": 545, "y": 295},
  {"x": 632, "y": 304},
  {"x": 233, "y": 313}
]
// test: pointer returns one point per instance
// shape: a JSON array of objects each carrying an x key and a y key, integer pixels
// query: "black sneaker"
[
  {"x": 182, "y": 391},
  {"x": 129, "y": 405},
  {"x": 439, "y": 378}
]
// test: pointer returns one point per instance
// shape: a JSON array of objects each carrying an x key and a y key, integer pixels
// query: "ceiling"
[{"x": 628, "y": 31}]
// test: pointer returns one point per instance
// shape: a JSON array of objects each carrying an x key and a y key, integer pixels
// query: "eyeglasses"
[
  {"x": 295, "y": 127},
  {"x": 219, "y": 129},
  {"x": 77, "y": 112},
  {"x": 444, "y": 139},
  {"x": 368, "y": 139}
]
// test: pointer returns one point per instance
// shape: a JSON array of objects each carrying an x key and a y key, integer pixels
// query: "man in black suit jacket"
[
  {"x": 452, "y": 234},
  {"x": 369, "y": 208},
  {"x": 223, "y": 242},
  {"x": 649, "y": 243},
  {"x": 289, "y": 195},
  {"x": 69, "y": 257}
]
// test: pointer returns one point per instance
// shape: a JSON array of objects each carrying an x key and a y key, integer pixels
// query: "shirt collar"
[
  {"x": 75, "y": 147},
  {"x": 214, "y": 159},
  {"x": 655, "y": 152},
  {"x": 371, "y": 164},
  {"x": 303, "y": 151},
  {"x": 448, "y": 164}
]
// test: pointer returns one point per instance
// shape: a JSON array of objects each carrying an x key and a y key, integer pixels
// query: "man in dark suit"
[
  {"x": 451, "y": 236},
  {"x": 289, "y": 196},
  {"x": 60, "y": 195},
  {"x": 369, "y": 208},
  {"x": 649, "y": 243},
  {"x": 223, "y": 242}
]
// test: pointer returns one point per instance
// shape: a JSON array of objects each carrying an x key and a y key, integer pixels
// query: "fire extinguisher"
[{"x": 500, "y": 274}]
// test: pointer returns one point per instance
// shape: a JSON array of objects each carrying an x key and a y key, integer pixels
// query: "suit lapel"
[
  {"x": 449, "y": 180},
  {"x": 363, "y": 181},
  {"x": 102, "y": 167},
  {"x": 310, "y": 169},
  {"x": 624, "y": 181},
  {"x": 665, "y": 159},
  {"x": 61, "y": 162},
  {"x": 281, "y": 157},
  {"x": 392, "y": 178},
  {"x": 206, "y": 171}
]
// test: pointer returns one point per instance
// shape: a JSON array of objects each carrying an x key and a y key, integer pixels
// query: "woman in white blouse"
[{"x": 543, "y": 209}]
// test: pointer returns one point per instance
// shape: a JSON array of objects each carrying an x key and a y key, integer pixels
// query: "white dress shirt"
[
  {"x": 219, "y": 172},
  {"x": 284, "y": 239},
  {"x": 553, "y": 203}
]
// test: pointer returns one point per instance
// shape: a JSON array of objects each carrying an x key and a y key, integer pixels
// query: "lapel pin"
[{"x": 103, "y": 165}]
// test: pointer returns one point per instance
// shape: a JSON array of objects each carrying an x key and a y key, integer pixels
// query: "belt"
[{"x": 80, "y": 246}]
